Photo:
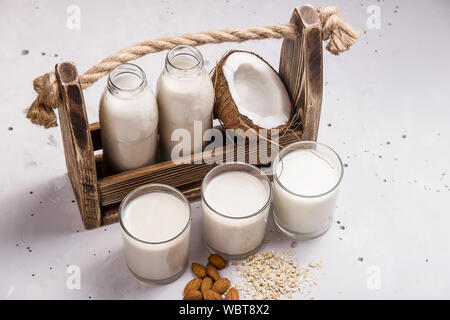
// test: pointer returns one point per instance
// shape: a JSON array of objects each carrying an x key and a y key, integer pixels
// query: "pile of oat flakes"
[{"x": 271, "y": 275}]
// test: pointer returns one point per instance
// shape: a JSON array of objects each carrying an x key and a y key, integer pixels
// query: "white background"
[{"x": 387, "y": 101}]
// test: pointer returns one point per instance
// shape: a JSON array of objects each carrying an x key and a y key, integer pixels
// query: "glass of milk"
[
  {"x": 128, "y": 120},
  {"x": 156, "y": 224},
  {"x": 306, "y": 180},
  {"x": 185, "y": 97},
  {"x": 236, "y": 200}
]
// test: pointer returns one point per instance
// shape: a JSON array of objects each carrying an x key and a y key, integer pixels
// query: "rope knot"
[
  {"x": 329, "y": 18},
  {"x": 49, "y": 97},
  {"x": 340, "y": 34},
  {"x": 48, "y": 90}
]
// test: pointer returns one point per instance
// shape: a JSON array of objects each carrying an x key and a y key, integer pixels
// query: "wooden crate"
[{"x": 98, "y": 195}]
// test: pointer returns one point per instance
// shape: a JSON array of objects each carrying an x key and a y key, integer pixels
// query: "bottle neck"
[
  {"x": 126, "y": 79},
  {"x": 184, "y": 61}
]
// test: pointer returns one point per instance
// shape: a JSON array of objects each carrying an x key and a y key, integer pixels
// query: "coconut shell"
[{"x": 225, "y": 108}]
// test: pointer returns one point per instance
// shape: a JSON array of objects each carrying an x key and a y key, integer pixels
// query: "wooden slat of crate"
[
  {"x": 94, "y": 128},
  {"x": 77, "y": 144},
  {"x": 301, "y": 66}
]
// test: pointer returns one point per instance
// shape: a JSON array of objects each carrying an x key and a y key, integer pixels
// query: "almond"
[
  {"x": 232, "y": 294},
  {"x": 212, "y": 295},
  {"x": 212, "y": 272},
  {"x": 217, "y": 261},
  {"x": 221, "y": 285},
  {"x": 193, "y": 295},
  {"x": 207, "y": 284},
  {"x": 194, "y": 284},
  {"x": 199, "y": 270}
]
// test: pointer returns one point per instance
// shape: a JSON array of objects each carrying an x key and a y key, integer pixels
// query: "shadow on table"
[
  {"x": 111, "y": 279},
  {"x": 42, "y": 211}
]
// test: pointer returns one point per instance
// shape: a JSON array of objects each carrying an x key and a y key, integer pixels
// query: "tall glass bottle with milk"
[
  {"x": 128, "y": 120},
  {"x": 185, "y": 97}
]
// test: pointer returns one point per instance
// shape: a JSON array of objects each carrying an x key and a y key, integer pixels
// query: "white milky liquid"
[
  {"x": 305, "y": 173},
  {"x": 235, "y": 194},
  {"x": 156, "y": 217},
  {"x": 182, "y": 101},
  {"x": 129, "y": 124}
]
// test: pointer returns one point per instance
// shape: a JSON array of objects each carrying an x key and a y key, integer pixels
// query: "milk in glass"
[
  {"x": 306, "y": 183},
  {"x": 155, "y": 222},
  {"x": 236, "y": 201}
]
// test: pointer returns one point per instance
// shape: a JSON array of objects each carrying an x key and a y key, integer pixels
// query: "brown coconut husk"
[{"x": 227, "y": 112}]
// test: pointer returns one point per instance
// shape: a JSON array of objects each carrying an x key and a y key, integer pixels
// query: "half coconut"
[{"x": 250, "y": 94}]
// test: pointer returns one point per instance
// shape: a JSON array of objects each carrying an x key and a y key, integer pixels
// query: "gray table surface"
[{"x": 385, "y": 111}]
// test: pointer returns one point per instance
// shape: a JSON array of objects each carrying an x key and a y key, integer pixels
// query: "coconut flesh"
[{"x": 253, "y": 94}]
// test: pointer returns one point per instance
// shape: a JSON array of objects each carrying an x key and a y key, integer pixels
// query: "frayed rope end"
[
  {"x": 42, "y": 115},
  {"x": 49, "y": 97}
]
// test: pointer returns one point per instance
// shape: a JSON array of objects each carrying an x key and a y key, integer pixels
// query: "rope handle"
[{"x": 340, "y": 34}]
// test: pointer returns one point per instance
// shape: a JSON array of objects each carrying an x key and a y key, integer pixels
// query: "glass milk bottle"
[
  {"x": 128, "y": 120},
  {"x": 185, "y": 97}
]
